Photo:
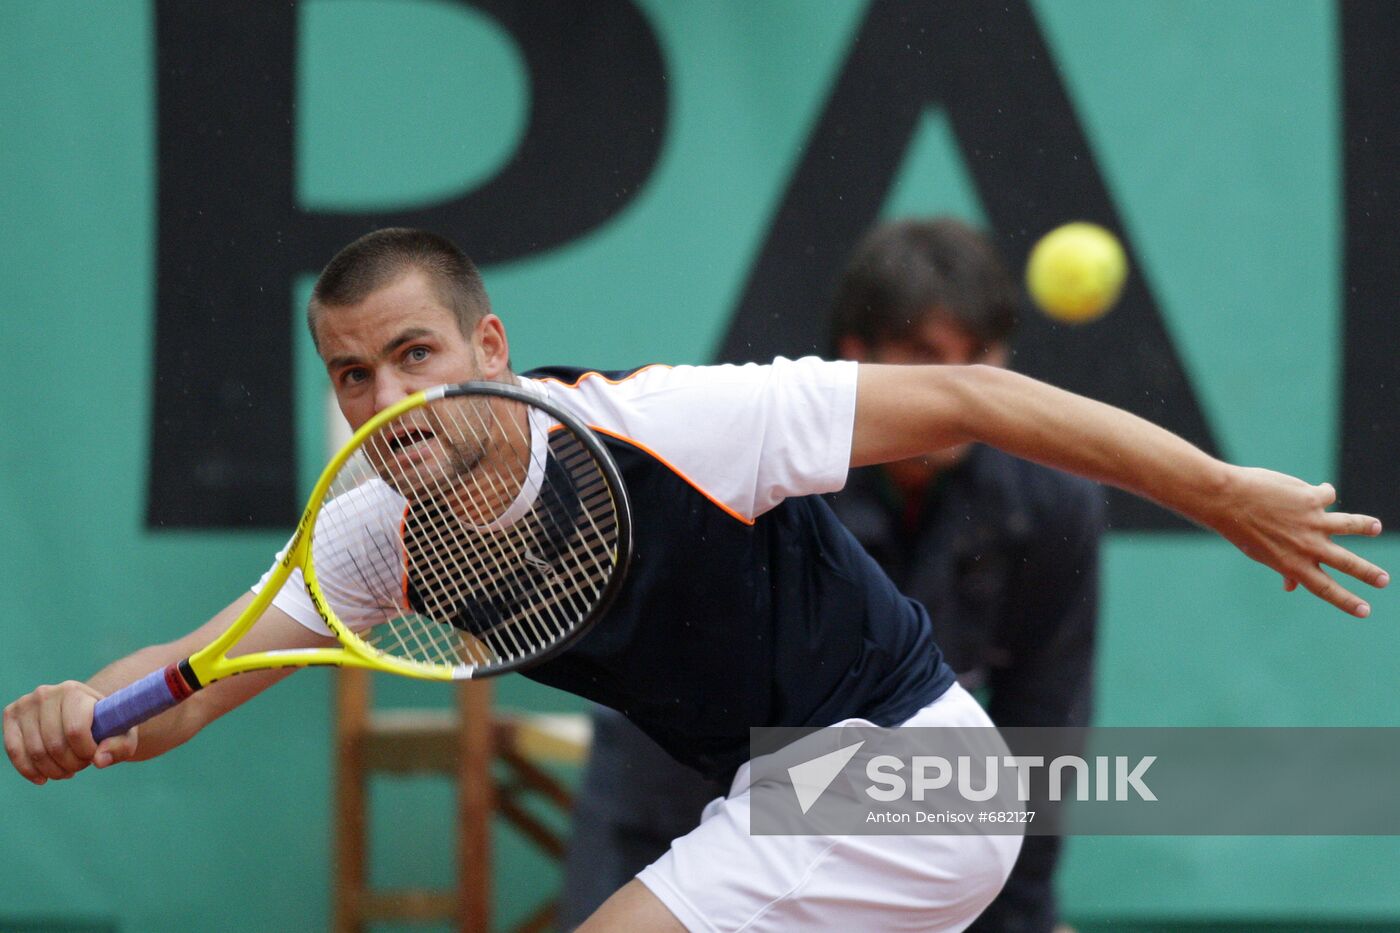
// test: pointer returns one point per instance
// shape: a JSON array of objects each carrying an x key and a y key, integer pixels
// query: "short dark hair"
[
  {"x": 377, "y": 259},
  {"x": 907, "y": 269}
]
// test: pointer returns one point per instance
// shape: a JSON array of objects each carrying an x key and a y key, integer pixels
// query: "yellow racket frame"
[{"x": 212, "y": 663}]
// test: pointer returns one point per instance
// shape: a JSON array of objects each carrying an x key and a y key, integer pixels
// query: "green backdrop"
[{"x": 1216, "y": 127}]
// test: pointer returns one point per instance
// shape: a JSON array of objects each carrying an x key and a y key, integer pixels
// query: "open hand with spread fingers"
[{"x": 1283, "y": 522}]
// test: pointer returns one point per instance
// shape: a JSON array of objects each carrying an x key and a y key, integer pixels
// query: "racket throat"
[{"x": 181, "y": 679}]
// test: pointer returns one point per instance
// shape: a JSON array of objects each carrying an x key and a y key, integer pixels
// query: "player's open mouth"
[{"x": 408, "y": 437}]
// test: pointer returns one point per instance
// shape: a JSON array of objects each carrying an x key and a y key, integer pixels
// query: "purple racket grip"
[{"x": 135, "y": 703}]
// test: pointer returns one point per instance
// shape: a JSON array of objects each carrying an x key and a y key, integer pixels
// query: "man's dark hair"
[
  {"x": 906, "y": 270},
  {"x": 378, "y": 259}
]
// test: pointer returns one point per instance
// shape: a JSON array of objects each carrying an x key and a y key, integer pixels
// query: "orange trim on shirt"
[
  {"x": 674, "y": 469},
  {"x": 638, "y": 444}
]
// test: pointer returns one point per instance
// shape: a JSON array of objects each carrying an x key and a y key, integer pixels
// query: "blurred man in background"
[{"x": 1003, "y": 553}]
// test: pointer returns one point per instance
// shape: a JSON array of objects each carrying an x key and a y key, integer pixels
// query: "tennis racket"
[{"x": 466, "y": 531}]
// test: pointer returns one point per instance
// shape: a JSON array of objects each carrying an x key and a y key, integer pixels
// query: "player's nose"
[{"x": 388, "y": 389}]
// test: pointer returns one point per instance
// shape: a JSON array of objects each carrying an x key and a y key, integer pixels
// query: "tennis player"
[{"x": 747, "y": 603}]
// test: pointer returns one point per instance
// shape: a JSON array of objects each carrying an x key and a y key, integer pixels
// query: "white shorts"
[{"x": 718, "y": 877}]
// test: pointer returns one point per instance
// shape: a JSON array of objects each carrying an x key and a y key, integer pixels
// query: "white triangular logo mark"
[{"x": 811, "y": 778}]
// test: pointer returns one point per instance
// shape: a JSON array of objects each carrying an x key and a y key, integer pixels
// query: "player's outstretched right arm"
[
  {"x": 48, "y": 732},
  {"x": 1280, "y": 521}
]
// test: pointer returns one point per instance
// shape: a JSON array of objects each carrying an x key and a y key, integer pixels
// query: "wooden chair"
[{"x": 462, "y": 742}]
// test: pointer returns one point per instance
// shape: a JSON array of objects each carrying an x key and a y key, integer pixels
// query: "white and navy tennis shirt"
[{"x": 747, "y": 603}]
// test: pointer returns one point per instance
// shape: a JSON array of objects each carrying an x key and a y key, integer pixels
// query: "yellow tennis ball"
[{"x": 1076, "y": 272}]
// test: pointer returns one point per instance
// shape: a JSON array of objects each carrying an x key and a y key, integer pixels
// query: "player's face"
[{"x": 399, "y": 340}]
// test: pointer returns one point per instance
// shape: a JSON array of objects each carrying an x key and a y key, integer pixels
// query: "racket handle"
[{"x": 137, "y": 702}]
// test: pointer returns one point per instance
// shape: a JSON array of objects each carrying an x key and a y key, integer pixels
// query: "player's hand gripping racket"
[{"x": 466, "y": 531}]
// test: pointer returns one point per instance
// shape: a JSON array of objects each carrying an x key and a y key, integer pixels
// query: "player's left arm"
[
  {"x": 275, "y": 630},
  {"x": 48, "y": 731},
  {"x": 1280, "y": 521}
]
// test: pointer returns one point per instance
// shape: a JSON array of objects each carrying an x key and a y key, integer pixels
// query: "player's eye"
[
  {"x": 353, "y": 376},
  {"x": 416, "y": 354}
]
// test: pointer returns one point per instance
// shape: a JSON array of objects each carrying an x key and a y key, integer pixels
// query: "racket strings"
[
  {"x": 436, "y": 557},
  {"x": 553, "y": 602},
  {"x": 549, "y": 505},
  {"x": 494, "y": 539},
  {"x": 489, "y": 486},
  {"x": 367, "y": 587},
  {"x": 548, "y": 603}
]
